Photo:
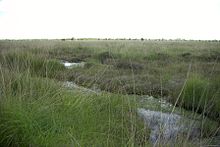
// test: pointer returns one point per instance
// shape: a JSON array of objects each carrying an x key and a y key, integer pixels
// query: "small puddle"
[
  {"x": 71, "y": 65},
  {"x": 166, "y": 127}
]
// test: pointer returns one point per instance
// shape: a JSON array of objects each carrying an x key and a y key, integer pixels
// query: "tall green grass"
[
  {"x": 201, "y": 95},
  {"x": 31, "y": 63},
  {"x": 37, "y": 111}
]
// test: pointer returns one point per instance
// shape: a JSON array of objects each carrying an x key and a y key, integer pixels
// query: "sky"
[{"x": 54, "y": 19}]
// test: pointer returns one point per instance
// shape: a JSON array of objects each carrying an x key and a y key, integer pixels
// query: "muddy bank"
[{"x": 72, "y": 85}]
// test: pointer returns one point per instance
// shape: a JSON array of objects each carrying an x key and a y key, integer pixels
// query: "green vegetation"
[
  {"x": 36, "y": 110},
  {"x": 63, "y": 118},
  {"x": 37, "y": 66},
  {"x": 201, "y": 95}
]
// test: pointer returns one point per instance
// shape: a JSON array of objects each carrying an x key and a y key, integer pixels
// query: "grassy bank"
[{"x": 37, "y": 111}]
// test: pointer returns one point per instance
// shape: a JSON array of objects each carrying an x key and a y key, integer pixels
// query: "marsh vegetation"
[{"x": 37, "y": 110}]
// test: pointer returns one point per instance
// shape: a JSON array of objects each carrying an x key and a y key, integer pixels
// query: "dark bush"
[
  {"x": 73, "y": 59},
  {"x": 105, "y": 56},
  {"x": 158, "y": 56},
  {"x": 146, "y": 89},
  {"x": 213, "y": 56},
  {"x": 185, "y": 55},
  {"x": 123, "y": 64}
]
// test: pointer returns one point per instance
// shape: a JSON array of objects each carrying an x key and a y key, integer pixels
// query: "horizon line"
[{"x": 109, "y": 38}]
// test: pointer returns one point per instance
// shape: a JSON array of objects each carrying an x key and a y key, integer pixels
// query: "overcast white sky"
[{"x": 170, "y": 19}]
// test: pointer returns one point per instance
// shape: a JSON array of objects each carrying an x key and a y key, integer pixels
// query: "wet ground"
[
  {"x": 165, "y": 127},
  {"x": 72, "y": 64}
]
